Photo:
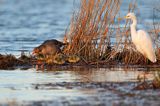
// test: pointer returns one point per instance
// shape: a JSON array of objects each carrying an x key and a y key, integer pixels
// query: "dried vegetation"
[
  {"x": 93, "y": 28},
  {"x": 95, "y": 36},
  {"x": 10, "y": 61}
]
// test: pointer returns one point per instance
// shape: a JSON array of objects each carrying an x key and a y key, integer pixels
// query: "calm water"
[
  {"x": 25, "y": 24},
  {"x": 31, "y": 86}
]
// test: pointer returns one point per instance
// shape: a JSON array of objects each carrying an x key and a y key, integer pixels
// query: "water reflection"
[
  {"x": 20, "y": 84},
  {"x": 80, "y": 74},
  {"x": 111, "y": 74}
]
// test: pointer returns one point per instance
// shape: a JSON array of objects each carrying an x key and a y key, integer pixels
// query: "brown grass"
[
  {"x": 11, "y": 62},
  {"x": 89, "y": 34},
  {"x": 7, "y": 61},
  {"x": 156, "y": 30}
]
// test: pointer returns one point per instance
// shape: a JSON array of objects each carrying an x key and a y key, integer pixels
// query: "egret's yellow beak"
[{"x": 125, "y": 17}]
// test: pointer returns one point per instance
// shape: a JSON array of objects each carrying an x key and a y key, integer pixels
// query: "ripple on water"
[{"x": 113, "y": 84}]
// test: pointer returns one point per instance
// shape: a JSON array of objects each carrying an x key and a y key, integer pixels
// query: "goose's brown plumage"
[{"x": 48, "y": 47}]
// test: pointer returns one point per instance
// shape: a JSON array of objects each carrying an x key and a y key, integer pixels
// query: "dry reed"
[
  {"x": 90, "y": 31},
  {"x": 8, "y": 61},
  {"x": 88, "y": 34}
]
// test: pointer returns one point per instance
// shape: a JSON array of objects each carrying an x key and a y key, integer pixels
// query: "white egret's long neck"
[{"x": 133, "y": 28}]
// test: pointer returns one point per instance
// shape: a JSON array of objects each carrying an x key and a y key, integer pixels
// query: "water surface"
[
  {"x": 73, "y": 85},
  {"x": 24, "y": 24}
]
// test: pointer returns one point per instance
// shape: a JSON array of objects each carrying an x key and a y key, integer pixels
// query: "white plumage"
[{"x": 141, "y": 39}]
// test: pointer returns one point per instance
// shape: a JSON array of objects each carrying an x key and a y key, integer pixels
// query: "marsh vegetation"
[
  {"x": 93, "y": 28},
  {"x": 98, "y": 65}
]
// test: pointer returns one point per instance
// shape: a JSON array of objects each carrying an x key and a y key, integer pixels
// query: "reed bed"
[
  {"x": 156, "y": 30},
  {"x": 89, "y": 38},
  {"x": 92, "y": 28},
  {"x": 8, "y": 61},
  {"x": 88, "y": 34}
]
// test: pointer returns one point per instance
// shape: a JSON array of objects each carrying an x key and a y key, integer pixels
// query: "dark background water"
[{"x": 25, "y": 24}]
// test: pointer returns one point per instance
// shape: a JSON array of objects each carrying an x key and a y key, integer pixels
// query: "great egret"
[{"x": 141, "y": 39}]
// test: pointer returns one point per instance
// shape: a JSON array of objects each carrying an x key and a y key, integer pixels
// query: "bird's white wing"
[{"x": 146, "y": 45}]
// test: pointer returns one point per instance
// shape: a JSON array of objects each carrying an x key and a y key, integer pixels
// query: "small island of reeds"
[{"x": 95, "y": 37}]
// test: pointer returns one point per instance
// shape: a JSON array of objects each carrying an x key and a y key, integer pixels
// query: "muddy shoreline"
[{"x": 25, "y": 62}]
